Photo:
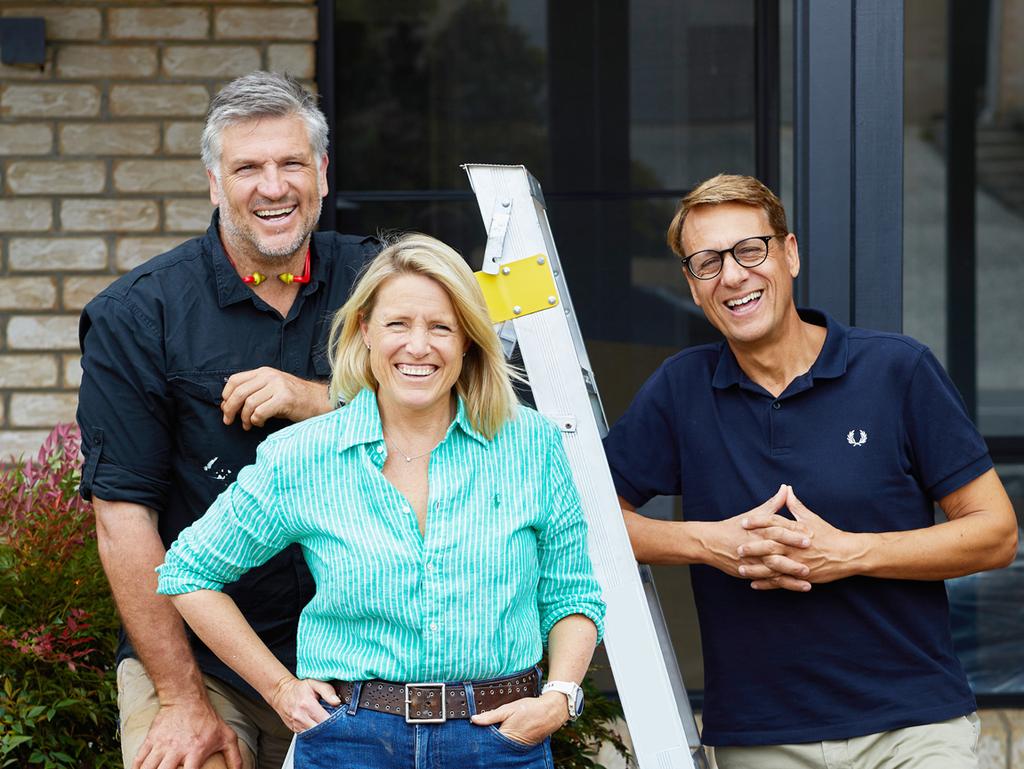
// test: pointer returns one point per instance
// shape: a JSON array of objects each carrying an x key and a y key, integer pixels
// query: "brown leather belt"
[{"x": 421, "y": 702}]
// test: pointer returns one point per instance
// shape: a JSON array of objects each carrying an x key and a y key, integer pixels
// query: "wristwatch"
[{"x": 573, "y": 696}]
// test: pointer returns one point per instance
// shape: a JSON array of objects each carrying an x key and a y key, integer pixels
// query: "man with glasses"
[{"x": 809, "y": 456}]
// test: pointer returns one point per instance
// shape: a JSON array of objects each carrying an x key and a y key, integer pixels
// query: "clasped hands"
[{"x": 774, "y": 552}]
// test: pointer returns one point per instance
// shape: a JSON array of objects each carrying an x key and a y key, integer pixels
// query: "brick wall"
[{"x": 99, "y": 166}]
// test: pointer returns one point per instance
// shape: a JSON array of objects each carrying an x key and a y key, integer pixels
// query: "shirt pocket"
[
  {"x": 217, "y": 451},
  {"x": 321, "y": 364}
]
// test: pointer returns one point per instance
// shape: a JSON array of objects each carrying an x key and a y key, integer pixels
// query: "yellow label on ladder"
[{"x": 519, "y": 288}]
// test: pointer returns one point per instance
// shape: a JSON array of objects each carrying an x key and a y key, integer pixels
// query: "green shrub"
[{"x": 58, "y": 628}]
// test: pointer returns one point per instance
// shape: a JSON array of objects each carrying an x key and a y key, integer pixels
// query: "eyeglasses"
[{"x": 749, "y": 252}]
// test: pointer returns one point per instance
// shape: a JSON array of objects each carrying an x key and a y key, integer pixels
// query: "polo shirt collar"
[
  {"x": 362, "y": 422},
  {"x": 830, "y": 363},
  {"x": 230, "y": 288}
]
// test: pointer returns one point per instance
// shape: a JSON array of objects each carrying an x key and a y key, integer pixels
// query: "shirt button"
[
  {"x": 380, "y": 449},
  {"x": 433, "y": 626},
  {"x": 776, "y": 405},
  {"x": 430, "y": 566}
]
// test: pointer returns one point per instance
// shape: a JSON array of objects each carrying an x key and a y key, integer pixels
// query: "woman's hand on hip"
[
  {"x": 297, "y": 701},
  {"x": 529, "y": 720}
]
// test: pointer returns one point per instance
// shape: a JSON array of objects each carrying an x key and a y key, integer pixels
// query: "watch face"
[{"x": 579, "y": 701}]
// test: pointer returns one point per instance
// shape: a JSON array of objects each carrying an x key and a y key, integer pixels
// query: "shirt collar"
[
  {"x": 830, "y": 363},
  {"x": 362, "y": 423},
  {"x": 230, "y": 288}
]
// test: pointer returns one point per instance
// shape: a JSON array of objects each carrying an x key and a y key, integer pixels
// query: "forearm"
[
  {"x": 570, "y": 648},
  {"x": 318, "y": 401},
  {"x": 130, "y": 549},
  {"x": 946, "y": 550},
  {"x": 216, "y": 619},
  {"x": 980, "y": 533},
  {"x": 665, "y": 542}
]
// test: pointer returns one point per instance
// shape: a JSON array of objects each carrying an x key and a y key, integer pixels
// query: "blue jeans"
[{"x": 357, "y": 738}]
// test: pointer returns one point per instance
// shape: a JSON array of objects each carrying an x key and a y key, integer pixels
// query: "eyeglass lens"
[{"x": 749, "y": 253}]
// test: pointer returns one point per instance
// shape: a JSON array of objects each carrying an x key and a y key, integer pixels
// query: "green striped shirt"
[{"x": 503, "y": 559}]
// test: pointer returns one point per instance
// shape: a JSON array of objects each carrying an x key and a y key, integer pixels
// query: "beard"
[{"x": 243, "y": 237}]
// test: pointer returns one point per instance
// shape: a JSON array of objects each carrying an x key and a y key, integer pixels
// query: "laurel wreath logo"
[{"x": 856, "y": 437}]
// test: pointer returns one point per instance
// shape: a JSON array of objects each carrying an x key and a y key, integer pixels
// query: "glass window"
[{"x": 972, "y": 77}]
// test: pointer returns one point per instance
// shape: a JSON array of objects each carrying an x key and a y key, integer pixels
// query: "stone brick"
[
  {"x": 210, "y": 61},
  {"x": 42, "y": 409},
  {"x": 72, "y": 365},
  {"x": 297, "y": 60},
  {"x": 28, "y": 371},
  {"x": 109, "y": 138},
  {"x": 45, "y": 254},
  {"x": 182, "y": 138},
  {"x": 160, "y": 176},
  {"x": 49, "y": 101},
  {"x": 109, "y": 215},
  {"x": 25, "y": 139},
  {"x": 61, "y": 177},
  {"x": 159, "y": 23},
  {"x": 131, "y": 252},
  {"x": 265, "y": 23},
  {"x": 79, "y": 289},
  {"x": 62, "y": 22},
  {"x": 25, "y": 215},
  {"x": 187, "y": 215},
  {"x": 27, "y": 294},
  {"x": 158, "y": 100},
  {"x": 94, "y": 61},
  {"x": 42, "y": 332},
  {"x": 20, "y": 444}
]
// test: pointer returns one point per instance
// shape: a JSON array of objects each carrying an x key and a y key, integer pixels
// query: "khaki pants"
[
  {"x": 949, "y": 744},
  {"x": 262, "y": 739}
]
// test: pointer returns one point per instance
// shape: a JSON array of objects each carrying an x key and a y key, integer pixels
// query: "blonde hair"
[
  {"x": 727, "y": 188},
  {"x": 484, "y": 383}
]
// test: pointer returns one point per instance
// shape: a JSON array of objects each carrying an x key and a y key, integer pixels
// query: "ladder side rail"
[{"x": 645, "y": 671}]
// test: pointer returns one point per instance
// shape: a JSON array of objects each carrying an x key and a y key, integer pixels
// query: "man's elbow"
[
  {"x": 1007, "y": 550},
  {"x": 118, "y": 525}
]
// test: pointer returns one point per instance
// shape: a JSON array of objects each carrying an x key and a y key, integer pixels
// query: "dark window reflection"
[{"x": 616, "y": 107}]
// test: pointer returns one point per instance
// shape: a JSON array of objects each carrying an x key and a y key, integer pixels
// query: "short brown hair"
[{"x": 727, "y": 188}]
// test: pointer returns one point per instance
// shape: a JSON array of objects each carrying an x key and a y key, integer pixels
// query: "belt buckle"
[{"x": 411, "y": 719}]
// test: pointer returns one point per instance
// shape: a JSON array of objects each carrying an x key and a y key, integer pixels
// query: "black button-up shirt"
[{"x": 158, "y": 346}]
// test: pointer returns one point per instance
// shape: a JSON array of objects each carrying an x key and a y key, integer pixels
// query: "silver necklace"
[{"x": 406, "y": 457}]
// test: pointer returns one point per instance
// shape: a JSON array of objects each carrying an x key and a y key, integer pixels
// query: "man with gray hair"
[{"x": 189, "y": 361}]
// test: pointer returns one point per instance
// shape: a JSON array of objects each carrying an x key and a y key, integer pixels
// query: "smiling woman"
[{"x": 442, "y": 527}]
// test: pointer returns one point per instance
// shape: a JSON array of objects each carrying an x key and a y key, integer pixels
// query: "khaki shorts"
[
  {"x": 262, "y": 738},
  {"x": 949, "y": 744}
]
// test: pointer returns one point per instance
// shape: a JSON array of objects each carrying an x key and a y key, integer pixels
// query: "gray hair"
[{"x": 258, "y": 95}]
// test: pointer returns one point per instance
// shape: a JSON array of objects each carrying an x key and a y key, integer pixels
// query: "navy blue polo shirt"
[
  {"x": 158, "y": 346},
  {"x": 868, "y": 438}
]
